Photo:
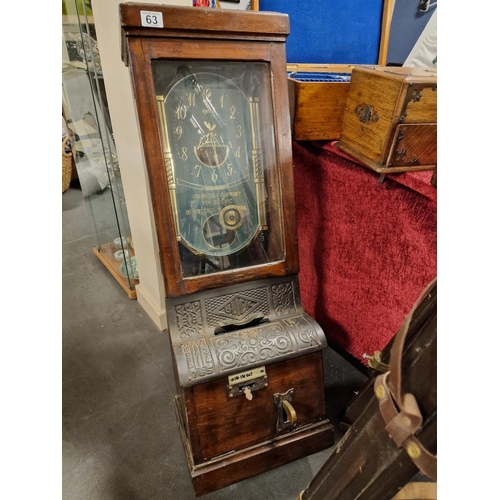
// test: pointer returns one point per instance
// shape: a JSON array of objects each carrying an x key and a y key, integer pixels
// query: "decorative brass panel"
[{"x": 252, "y": 324}]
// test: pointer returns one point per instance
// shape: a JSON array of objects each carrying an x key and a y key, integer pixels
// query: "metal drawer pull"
[
  {"x": 290, "y": 412},
  {"x": 287, "y": 416}
]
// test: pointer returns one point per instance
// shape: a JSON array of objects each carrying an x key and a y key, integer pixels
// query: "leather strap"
[{"x": 400, "y": 412}]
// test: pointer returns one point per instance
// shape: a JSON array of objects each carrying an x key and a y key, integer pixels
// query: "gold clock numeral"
[
  {"x": 206, "y": 94},
  {"x": 214, "y": 176},
  {"x": 238, "y": 152},
  {"x": 222, "y": 101},
  {"x": 181, "y": 112},
  {"x": 191, "y": 99},
  {"x": 184, "y": 155},
  {"x": 178, "y": 131},
  {"x": 229, "y": 169},
  {"x": 239, "y": 132},
  {"x": 233, "y": 113},
  {"x": 198, "y": 170}
]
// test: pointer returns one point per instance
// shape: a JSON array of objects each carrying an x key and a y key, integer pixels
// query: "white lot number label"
[{"x": 152, "y": 19}]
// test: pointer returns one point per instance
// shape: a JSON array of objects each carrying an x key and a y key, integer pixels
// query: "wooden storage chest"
[
  {"x": 390, "y": 118},
  {"x": 317, "y": 96}
]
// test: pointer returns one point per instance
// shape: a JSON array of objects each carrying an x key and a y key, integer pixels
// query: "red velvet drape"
[{"x": 366, "y": 249}]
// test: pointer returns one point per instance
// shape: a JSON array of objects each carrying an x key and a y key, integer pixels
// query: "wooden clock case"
[{"x": 249, "y": 397}]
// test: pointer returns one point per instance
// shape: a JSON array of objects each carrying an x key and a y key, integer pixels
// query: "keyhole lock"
[
  {"x": 246, "y": 383},
  {"x": 248, "y": 393},
  {"x": 287, "y": 416}
]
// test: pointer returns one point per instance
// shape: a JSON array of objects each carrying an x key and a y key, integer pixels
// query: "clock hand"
[
  {"x": 193, "y": 120},
  {"x": 212, "y": 110},
  {"x": 197, "y": 126},
  {"x": 208, "y": 104}
]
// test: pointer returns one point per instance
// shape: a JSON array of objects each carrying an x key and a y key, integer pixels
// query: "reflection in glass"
[{"x": 218, "y": 144}]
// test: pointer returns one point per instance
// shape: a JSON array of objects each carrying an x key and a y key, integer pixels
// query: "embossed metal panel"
[{"x": 218, "y": 333}]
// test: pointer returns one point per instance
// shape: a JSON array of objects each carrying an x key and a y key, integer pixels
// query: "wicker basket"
[{"x": 67, "y": 165}]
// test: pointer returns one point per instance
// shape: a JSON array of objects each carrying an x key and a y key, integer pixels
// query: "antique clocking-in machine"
[{"x": 211, "y": 95}]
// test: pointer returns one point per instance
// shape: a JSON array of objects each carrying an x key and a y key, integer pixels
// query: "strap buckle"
[{"x": 402, "y": 423}]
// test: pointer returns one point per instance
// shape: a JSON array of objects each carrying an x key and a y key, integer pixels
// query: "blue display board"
[{"x": 331, "y": 32}]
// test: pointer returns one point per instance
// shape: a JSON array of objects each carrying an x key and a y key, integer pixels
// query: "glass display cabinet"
[{"x": 86, "y": 112}]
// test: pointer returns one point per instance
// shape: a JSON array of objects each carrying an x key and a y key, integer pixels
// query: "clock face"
[
  {"x": 216, "y": 122},
  {"x": 210, "y": 139}
]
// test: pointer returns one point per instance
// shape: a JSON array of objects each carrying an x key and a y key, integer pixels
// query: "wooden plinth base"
[
  {"x": 381, "y": 169},
  {"x": 231, "y": 468}
]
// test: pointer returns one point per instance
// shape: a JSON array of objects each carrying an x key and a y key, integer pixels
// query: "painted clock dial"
[{"x": 213, "y": 177}]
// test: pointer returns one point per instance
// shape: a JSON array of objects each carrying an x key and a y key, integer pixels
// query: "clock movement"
[{"x": 212, "y": 102}]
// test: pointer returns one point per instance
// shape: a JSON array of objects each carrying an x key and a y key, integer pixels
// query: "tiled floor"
[{"x": 120, "y": 436}]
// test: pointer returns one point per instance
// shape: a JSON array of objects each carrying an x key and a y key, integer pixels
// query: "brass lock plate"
[{"x": 250, "y": 380}]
